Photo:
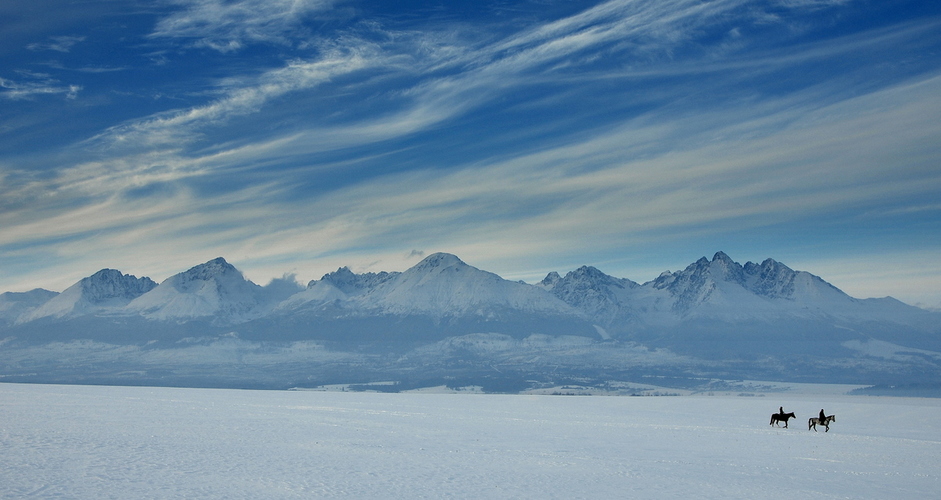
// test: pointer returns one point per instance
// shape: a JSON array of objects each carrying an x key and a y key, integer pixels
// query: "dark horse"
[
  {"x": 813, "y": 421},
  {"x": 781, "y": 417}
]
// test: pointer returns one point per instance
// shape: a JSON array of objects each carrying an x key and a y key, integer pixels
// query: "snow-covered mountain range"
[
  {"x": 722, "y": 290},
  {"x": 444, "y": 288},
  {"x": 712, "y": 310}
]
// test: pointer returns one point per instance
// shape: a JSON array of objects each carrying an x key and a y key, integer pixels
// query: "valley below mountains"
[{"x": 446, "y": 323}]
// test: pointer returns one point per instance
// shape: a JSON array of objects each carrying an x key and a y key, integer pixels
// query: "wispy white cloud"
[
  {"x": 22, "y": 90},
  {"x": 536, "y": 206},
  {"x": 183, "y": 126},
  {"x": 228, "y": 26},
  {"x": 57, "y": 43},
  {"x": 544, "y": 204},
  {"x": 486, "y": 72},
  {"x": 805, "y": 4},
  {"x": 640, "y": 179}
]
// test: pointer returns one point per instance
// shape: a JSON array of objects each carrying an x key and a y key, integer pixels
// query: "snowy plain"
[{"x": 140, "y": 442}]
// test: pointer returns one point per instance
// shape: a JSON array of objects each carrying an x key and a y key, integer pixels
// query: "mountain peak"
[
  {"x": 106, "y": 290},
  {"x": 208, "y": 270},
  {"x": 442, "y": 285},
  {"x": 215, "y": 288},
  {"x": 216, "y": 270},
  {"x": 588, "y": 271},
  {"x": 339, "y": 277},
  {"x": 350, "y": 283},
  {"x": 550, "y": 280},
  {"x": 113, "y": 284},
  {"x": 436, "y": 264},
  {"x": 596, "y": 294},
  {"x": 726, "y": 269},
  {"x": 593, "y": 277},
  {"x": 721, "y": 256},
  {"x": 440, "y": 260}
]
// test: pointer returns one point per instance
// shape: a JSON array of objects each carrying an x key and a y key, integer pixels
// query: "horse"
[
  {"x": 813, "y": 421},
  {"x": 781, "y": 417}
]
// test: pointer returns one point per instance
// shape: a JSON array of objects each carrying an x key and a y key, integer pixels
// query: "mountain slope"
[
  {"x": 333, "y": 288},
  {"x": 215, "y": 289},
  {"x": 600, "y": 296},
  {"x": 439, "y": 297},
  {"x": 16, "y": 304},
  {"x": 107, "y": 291},
  {"x": 442, "y": 285}
]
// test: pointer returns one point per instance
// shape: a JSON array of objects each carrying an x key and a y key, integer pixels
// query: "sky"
[{"x": 293, "y": 137}]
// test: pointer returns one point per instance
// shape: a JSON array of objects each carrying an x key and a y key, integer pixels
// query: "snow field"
[{"x": 135, "y": 442}]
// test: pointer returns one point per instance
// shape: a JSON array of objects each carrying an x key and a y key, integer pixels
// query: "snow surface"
[{"x": 137, "y": 442}]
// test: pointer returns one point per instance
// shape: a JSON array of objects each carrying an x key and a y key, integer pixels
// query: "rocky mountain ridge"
[
  {"x": 443, "y": 286},
  {"x": 444, "y": 320}
]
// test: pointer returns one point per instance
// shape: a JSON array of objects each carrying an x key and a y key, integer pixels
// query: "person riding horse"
[
  {"x": 780, "y": 416},
  {"x": 823, "y": 419}
]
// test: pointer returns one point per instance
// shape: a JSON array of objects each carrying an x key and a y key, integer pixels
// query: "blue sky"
[{"x": 525, "y": 137}]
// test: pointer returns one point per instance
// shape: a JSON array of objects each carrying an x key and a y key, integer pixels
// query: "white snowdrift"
[{"x": 125, "y": 442}]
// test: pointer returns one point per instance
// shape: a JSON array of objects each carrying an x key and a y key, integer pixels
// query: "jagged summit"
[
  {"x": 591, "y": 291},
  {"x": 351, "y": 283},
  {"x": 106, "y": 291},
  {"x": 722, "y": 287},
  {"x": 550, "y": 280},
  {"x": 212, "y": 289},
  {"x": 215, "y": 268},
  {"x": 593, "y": 275},
  {"x": 110, "y": 284},
  {"x": 721, "y": 256},
  {"x": 771, "y": 278},
  {"x": 436, "y": 262},
  {"x": 341, "y": 278},
  {"x": 727, "y": 269},
  {"x": 585, "y": 280}
]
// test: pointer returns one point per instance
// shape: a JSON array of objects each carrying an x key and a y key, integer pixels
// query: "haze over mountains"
[{"x": 444, "y": 321}]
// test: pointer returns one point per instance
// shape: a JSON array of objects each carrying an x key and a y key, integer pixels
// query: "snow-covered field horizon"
[{"x": 146, "y": 442}]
